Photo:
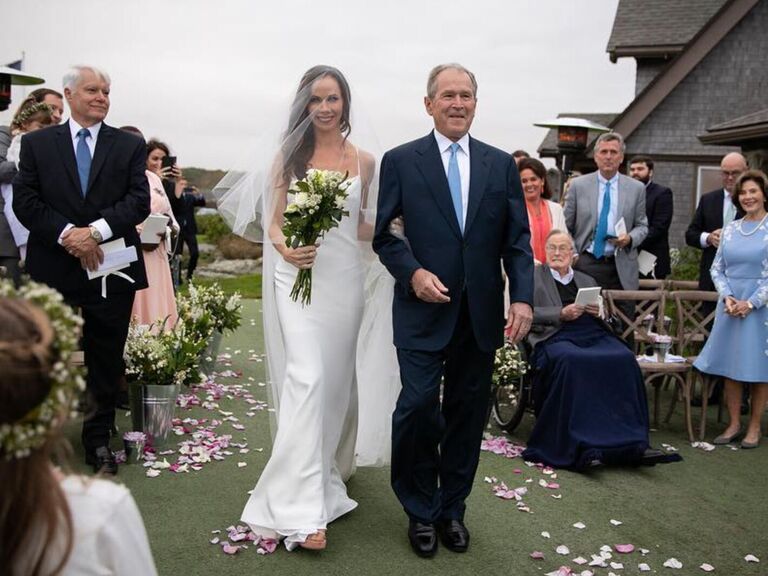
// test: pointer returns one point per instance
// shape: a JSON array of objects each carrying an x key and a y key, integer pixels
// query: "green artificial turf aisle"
[{"x": 711, "y": 508}]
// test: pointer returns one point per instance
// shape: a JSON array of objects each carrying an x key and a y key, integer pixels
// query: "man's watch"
[{"x": 94, "y": 233}]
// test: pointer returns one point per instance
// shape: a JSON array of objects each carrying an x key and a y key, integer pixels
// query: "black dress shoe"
[
  {"x": 102, "y": 459},
  {"x": 652, "y": 456},
  {"x": 454, "y": 535},
  {"x": 423, "y": 538}
]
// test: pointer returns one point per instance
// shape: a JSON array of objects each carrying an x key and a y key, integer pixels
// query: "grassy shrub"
[
  {"x": 685, "y": 263},
  {"x": 212, "y": 226},
  {"x": 236, "y": 248}
]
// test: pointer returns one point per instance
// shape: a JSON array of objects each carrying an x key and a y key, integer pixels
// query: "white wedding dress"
[{"x": 302, "y": 488}]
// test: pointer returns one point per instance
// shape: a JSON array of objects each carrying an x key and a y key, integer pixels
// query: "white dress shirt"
[
  {"x": 564, "y": 280},
  {"x": 100, "y": 224},
  {"x": 462, "y": 158},
  {"x": 726, "y": 206}
]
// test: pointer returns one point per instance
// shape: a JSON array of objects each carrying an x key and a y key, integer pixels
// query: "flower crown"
[
  {"x": 24, "y": 114},
  {"x": 18, "y": 439}
]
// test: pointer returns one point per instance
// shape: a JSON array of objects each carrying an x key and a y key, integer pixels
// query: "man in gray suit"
[{"x": 595, "y": 205}]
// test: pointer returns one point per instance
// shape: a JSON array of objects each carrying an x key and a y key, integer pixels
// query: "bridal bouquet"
[{"x": 317, "y": 207}]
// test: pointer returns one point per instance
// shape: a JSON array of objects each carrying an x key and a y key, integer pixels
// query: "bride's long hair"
[{"x": 299, "y": 142}]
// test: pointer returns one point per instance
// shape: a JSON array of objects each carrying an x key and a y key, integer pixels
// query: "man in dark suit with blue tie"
[
  {"x": 463, "y": 212},
  {"x": 79, "y": 184}
]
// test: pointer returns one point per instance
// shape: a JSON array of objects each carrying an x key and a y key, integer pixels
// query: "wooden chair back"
[
  {"x": 694, "y": 321},
  {"x": 646, "y": 302}
]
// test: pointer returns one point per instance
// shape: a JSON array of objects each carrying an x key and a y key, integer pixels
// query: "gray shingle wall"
[
  {"x": 647, "y": 70},
  {"x": 730, "y": 81}
]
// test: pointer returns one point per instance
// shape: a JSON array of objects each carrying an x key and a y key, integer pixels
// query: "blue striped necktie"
[
  {"x": 83, "y": 156},
  {"x": 454, "y": 183}
]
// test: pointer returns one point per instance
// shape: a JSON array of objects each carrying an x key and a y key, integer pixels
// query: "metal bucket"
[
  {"x": 152, "y": 409},
  {"x": 208, "y": 357}
]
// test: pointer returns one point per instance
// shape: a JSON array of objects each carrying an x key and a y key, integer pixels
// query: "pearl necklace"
[{"x": 759, "y": 225}]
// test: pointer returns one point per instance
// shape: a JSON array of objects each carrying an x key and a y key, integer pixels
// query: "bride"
[{"x": 318, "y": 353}]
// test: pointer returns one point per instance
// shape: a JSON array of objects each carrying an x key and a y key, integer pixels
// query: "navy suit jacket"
[
  {"x": 47, "y": 196},
  {"x": 659, "y": 207},
  {"x": 414, "y": 185},
  {"x": 707, "y": 218}
]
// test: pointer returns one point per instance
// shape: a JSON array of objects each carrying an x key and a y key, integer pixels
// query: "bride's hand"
[{"x": 301, "y": 257}]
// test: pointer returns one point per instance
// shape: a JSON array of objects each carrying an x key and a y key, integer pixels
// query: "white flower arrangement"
[
  {"x": 17, "y": 440},
  {"x": 317, "y": 207}
]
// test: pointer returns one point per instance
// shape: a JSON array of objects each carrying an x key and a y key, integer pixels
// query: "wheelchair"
[{"x": 511, "y": 397}]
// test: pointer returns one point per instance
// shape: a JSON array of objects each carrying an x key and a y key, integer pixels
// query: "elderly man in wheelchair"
[{"x": 583, "y": 383}]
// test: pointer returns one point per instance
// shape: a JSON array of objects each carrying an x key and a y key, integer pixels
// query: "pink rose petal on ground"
[
  {"x": 228, "y": 549},
  {"x": 624, "y": 548},
  {"x": 536, "y": 555},
  {"x": 562, "y": 571}
]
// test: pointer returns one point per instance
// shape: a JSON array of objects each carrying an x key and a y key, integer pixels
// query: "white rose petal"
[
  {"x": 562, "y": 549},
  {"x": 673, "y": 563},
  {"x": 707, "y": 567}
]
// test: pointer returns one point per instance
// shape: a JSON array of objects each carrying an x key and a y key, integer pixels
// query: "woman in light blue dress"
[{"x": 737, "y": 348}]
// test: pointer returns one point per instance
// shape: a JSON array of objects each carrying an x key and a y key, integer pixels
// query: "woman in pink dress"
[{"x": 157, "y": 302}]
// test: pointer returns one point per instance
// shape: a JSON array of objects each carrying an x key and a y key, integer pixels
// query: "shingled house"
[{"x": 701, "y": 71}]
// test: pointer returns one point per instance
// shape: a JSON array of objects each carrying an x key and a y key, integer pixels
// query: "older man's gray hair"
[
  {"x": 74, "y": 75},
  {"x": 611, "y": 137},
  {"x": 435, "y": 72}
]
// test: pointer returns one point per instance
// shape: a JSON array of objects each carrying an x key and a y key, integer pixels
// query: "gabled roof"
[
  {"x": 695, "y": 51},
  {"x": 548, "y": 146},
  {"x": 658, "y": 28},
  {"x": 737, "y": 130}
]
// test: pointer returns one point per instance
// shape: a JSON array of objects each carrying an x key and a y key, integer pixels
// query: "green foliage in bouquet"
[{"x": 317, "y": 207}]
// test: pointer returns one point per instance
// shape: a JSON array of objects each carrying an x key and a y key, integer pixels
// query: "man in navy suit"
[
  {"x": 79, "y": 184},
  {"x": 715, "y": 209},
  {"x": 463, "y": 212},
  {"x": 659, "y": 208}
]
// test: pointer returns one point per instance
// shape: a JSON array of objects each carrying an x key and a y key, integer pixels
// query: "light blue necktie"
[
  {"x": 602, "y": 223},
  {"x": 730, "y": 214},
  {"x": 83, "y": 156},
  {"x": 454, "y": 183}
]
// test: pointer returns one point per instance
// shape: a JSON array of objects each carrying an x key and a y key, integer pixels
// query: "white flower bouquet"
[
  {"x": 317, "y": 207},
  {"x": 508, "y": 364}
]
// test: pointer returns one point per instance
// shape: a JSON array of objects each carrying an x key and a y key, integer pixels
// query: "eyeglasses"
[
  {"x": 730, "y": 173},
  {"x": 555, "y": 249}
]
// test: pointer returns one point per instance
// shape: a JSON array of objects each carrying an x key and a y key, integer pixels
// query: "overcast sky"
[{"x": 207, "y": 75}]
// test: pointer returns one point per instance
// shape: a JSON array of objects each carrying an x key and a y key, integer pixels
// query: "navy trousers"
[{"x": 436, "y": 444}]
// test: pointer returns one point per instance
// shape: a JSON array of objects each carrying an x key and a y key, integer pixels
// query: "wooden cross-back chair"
[
  {"x": 655, "y": 374},
  {"x": 694, "y": 323}
]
